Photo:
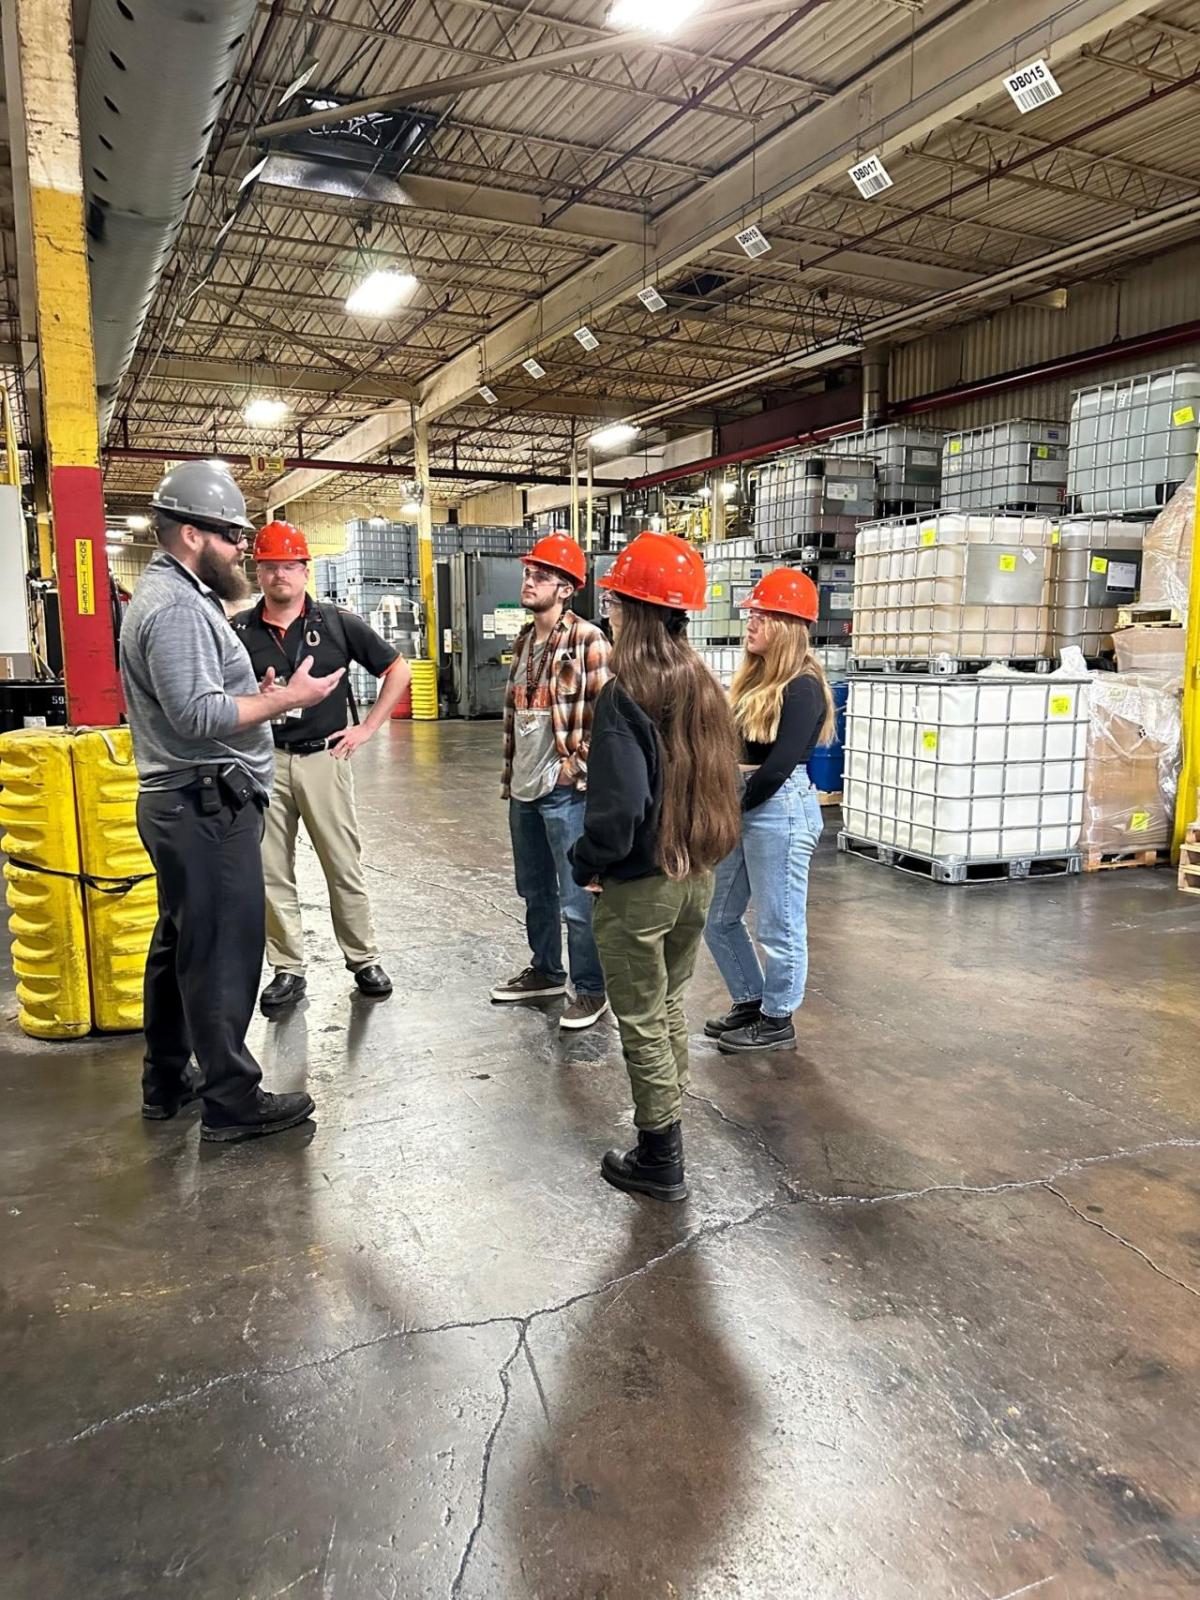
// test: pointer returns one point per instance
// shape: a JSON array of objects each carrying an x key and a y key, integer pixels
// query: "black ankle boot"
[
  {"x": 741, "y": 1016},
  {"x": 655, "y": 1167}
]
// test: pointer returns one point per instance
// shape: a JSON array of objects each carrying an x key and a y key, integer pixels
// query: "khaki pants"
[
  {"x": 318, "y": 791},
  {"x": 649, "y": 931}
]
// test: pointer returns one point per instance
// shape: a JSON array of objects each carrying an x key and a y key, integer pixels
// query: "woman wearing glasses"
[
  {"x": 662, "y": 811},
  {"x": 783, "y": 709}
]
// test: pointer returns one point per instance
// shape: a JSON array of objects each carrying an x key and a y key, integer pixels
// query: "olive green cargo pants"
[{"x": 648, "y": 932}]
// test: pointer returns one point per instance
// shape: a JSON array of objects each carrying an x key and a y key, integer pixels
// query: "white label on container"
[
  {"x": 870, "y": 176},
  {"x": 1122, "y": 575},
  {"x": 509, "y": 621},
  {"x": 926, "y": 458},
  {"x": 651, "y": 299},
  {"x": 753, "y": 241},
  {"x": 841, "y": 600},
  {"x": 587, "y": 338},
  {"x": 1032, "y": 86},
  {"x": 840, "y": 491},
  {"x": 1030, "y": 556}
]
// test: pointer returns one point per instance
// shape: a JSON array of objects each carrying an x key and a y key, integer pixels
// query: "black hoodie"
[{"x": 624, "y": 792}]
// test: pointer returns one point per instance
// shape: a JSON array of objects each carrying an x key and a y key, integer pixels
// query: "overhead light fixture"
[
  {"x": 380, "y": 293},
  {"x": 264, "y": 412},
  {"x": 729, "y": 490},
  {"x": 587, "y": 338},
  {"x": 137, "y": 524},
  {"x": 706, "y": 493},
  {"x": 376, "y": 522},
  {"x": 617, "y": 434},
  {"x": 651, "y": 299},
  {"x": 651, "y": 16},
  {"x": 490, "y": 395},
  {"x": 534, "y": 367}
]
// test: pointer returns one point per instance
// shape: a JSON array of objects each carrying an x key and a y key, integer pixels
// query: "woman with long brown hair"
[
  {"x": 662, "y": 811},
  {"x": 783, "y": 709}
]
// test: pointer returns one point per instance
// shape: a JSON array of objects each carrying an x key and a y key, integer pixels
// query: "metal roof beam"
[
  {"x": 269, "y": 377},
  {"x": 955, "y": 67}
]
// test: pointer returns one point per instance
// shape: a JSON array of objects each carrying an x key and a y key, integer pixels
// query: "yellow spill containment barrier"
[
  {"x": 424, "y": 691},
  {"x": 81, "y": 891}
]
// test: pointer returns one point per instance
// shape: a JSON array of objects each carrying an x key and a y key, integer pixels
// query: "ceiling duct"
[{"x": 155, "y": 73}]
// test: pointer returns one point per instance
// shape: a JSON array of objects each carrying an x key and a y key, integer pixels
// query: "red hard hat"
[
  {"x": 560, "y": 551},
  {"x": 661, "y": 569},
  {"x": 786, "y": 591},
  {"x": 280, "y": 541}
]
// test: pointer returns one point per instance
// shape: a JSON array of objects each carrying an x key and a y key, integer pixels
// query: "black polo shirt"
[{"x": 269, "y": 646}]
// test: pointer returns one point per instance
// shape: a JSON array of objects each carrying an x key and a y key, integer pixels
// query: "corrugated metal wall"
[{"x": 1156, "y": 295}]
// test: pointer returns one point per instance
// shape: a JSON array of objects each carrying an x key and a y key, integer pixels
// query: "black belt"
[{"x": 309, "y": 747}]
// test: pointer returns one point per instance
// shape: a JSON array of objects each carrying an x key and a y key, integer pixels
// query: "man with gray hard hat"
[{"x": 205, "y": 758}]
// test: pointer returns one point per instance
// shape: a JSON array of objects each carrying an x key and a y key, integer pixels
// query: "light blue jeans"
[{"x": 769, "y": 866}]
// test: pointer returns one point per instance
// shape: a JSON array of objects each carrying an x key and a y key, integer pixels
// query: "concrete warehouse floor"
[{"x": 928, "y": 1326}]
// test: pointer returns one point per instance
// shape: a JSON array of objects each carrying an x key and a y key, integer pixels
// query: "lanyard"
[
  {"x": 308, "y": 639},
  {"x": 533, "y": 682}
]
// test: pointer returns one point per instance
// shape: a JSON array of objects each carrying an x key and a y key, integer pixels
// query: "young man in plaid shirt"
[{"x": 560, "y": 664}]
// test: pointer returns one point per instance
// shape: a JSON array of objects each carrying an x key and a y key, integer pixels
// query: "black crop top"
[{"x": 800, "y": 721}]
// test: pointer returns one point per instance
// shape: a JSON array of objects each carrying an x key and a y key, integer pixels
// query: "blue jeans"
[
  {"x": 770, "y": 865},
  {"x": 543, "y": 831}
]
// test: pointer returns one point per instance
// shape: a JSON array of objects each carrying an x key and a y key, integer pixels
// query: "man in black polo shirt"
[{"x": 313, "y": 780}]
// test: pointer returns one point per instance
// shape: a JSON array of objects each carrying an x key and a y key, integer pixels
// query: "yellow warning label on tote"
[
  {"x": 1008, "y": 563},
  {"x": 1055, "y": 536},
  {"x": 1100, "y": 564},
  {"x": 1183, "y": 416},
  {"x": 1043, "y": 452},
  {"x": 928, "y": 536},
  {"x": 718, "y": 590},
  {"x": 1139, "y": 822},
  {"x": 956, "y": 447},
  {"x": 1060, "y": 705},
  {"x": 85, "y": 589},
  {"x": 929, "y": 739}
]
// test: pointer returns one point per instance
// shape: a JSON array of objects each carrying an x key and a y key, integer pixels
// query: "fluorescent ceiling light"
[
  {"x": 252, "y": 174},
  {"x": 138, "y": 524},
  {"x": 264, "y": 412},
  {"x": 651, "y": 16},
  {"x": 608, "y": 438},
  {"x": 706, "y": 493},
  {"x": 376, "y": 522},
  {"x": 380, "y": 293},
  {"x": 307, "y": 67}
]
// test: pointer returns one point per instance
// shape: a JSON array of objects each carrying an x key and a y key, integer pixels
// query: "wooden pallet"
[
  {"x": 1109, "y": 860},
  {"x": 937, "y": 870},
  {"x": 1144, "y": 615},
  {"x": 825, "y": 799},
  {"x": 1189, "y": 863}
]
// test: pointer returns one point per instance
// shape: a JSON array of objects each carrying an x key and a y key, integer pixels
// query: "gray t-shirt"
[
  {"x": 182, "y": 666},
  {"x": 536, "y": 761}
]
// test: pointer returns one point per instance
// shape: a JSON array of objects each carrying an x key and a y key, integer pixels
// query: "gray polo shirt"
[{"x": 182, "y": 665}]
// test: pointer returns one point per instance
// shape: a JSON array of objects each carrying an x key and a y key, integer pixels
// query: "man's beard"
[
  {"x": 540, "y": 607},
  {"x": 225, "y": 579}
]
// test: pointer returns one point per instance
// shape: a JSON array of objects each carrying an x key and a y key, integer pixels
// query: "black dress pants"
[{"x": 205, "y": 960}]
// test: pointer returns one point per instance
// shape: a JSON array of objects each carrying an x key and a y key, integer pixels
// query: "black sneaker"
[
  {"x": 768, "y": 1033},
  {"x": 373, "y": 981},
  {"x": 654, "y": 1167},
  {"x": 268, "y": 1113},
  {"x": 742, "y": 1014},
  {"x": 528, "y": 985},
  {"x": 284, "y": 989}
]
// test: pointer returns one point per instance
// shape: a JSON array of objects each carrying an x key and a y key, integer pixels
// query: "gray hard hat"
[{"x": 205, "y": 491}]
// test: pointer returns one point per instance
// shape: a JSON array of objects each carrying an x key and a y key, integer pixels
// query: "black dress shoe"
[
  {"x": 267, "y": 1113},
  {"x": 768, "y": 1033},
  {"x": 654, "y": 1168},
  {"x": 284, "y": 989},
  {"x": 373, "y": 980}
]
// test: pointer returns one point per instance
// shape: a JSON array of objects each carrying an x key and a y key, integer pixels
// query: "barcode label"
[
  {"x": 534, "y": 367},
  {"x": 587, "y": 338},
  {"x": 871, "y": 177},
  {"x": 488, "y": 394},
  {"x": 1032, "y": 86},
  {"x": 651, "y": 299},
  {"x": 754, "y": 242}
]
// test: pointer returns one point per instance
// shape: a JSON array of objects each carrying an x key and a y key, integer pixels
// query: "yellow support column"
[
  {"x": 1189, "y": 777},
  {"x": 425, "y": 539},
  {"x": 39, "y": 68}
]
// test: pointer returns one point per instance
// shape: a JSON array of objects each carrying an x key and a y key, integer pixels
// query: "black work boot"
[
  {"x": 374, "y": 981},
  {"x": 767, "y": 1033},
  {"x": 655, "y": 1167},
  {"x": 267, "y": 1113},
  {"x": 162, "y": 1101},
  {"x": 743, "y": 1013},
  {"x": 284, "y": 989}
]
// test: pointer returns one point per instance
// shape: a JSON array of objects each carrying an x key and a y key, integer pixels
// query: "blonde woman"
[{"x": 783, "y": 709}]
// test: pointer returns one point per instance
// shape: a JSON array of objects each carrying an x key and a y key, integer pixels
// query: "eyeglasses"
[
  {"x": 270, "y": 568},
  {"x": 542, "y": 575},
  {"x": 609, "y": 603},
  {"x": 233, "y": 536}
]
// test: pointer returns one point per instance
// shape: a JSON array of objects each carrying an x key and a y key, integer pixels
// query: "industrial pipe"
[{"x": 1042, "y": 372}]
